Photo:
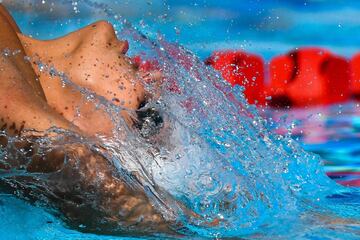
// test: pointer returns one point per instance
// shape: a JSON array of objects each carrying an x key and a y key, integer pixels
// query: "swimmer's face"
[
  {"x": 99, "y": 62},
  {"x": 93, "y": 57}
]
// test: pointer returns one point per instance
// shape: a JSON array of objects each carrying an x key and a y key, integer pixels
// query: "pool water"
[
  {"x": 330, "y": 131},
  {"x": 263, "y": 27},
  {"x": 227, "y": 152},
  {"x": 20, "y": 220},
  {"x": 322, "y": 130}
]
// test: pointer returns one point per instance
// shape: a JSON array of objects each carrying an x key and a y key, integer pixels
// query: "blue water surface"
[{"x": 264, "y": 27}]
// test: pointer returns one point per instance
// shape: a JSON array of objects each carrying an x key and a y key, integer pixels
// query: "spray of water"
[{"x": 209, "y": 163}]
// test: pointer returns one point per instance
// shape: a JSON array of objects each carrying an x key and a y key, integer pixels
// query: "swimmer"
[
  {"x": 34, "y": 101},
  {"x": 91, "y": 57}
]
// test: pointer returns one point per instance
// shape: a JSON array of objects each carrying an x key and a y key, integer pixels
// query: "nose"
[{"x": 103, "y": 31}]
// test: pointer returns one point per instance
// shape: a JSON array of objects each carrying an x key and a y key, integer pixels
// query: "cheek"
[
  {"x": 130, "y": 94},
  {"x": 94, "y": 70},
  {"x": 109, "y": 75}
]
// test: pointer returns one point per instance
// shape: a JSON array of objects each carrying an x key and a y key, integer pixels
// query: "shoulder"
[{"x": 5, "y": 16}]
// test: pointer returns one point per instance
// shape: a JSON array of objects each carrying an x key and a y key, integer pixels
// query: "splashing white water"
[{"x": 214, "y": 154}]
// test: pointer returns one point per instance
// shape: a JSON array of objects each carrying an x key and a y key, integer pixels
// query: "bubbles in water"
[{"x": 199, "y": 152}]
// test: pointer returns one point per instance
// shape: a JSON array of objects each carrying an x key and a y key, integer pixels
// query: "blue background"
[{"x": 266, "y": 27}]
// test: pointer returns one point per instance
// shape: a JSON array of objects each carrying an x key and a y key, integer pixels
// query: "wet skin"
[
  {"x": 93, "y": 58},
  {"x": 22, "y": 100}
]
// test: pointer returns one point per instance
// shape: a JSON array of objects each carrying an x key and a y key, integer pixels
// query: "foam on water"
[{"x": 214, "y": 153}]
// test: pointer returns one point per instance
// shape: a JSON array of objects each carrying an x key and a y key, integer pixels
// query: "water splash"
[{"x": 214, "y": 153}]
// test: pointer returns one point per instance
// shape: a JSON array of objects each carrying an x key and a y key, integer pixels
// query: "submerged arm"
[{"x": 86, "y": 189}]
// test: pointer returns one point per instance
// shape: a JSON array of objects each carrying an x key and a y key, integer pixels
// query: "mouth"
[
  {"x": 149, "y": 122},
  {"x": 124, "y": 47}
]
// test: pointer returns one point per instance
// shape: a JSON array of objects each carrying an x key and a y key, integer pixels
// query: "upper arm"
[
  {"x": 9, "y": 40},
  {"x": 22, "y": 101},
  {"x": 4, "y": 12}
]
